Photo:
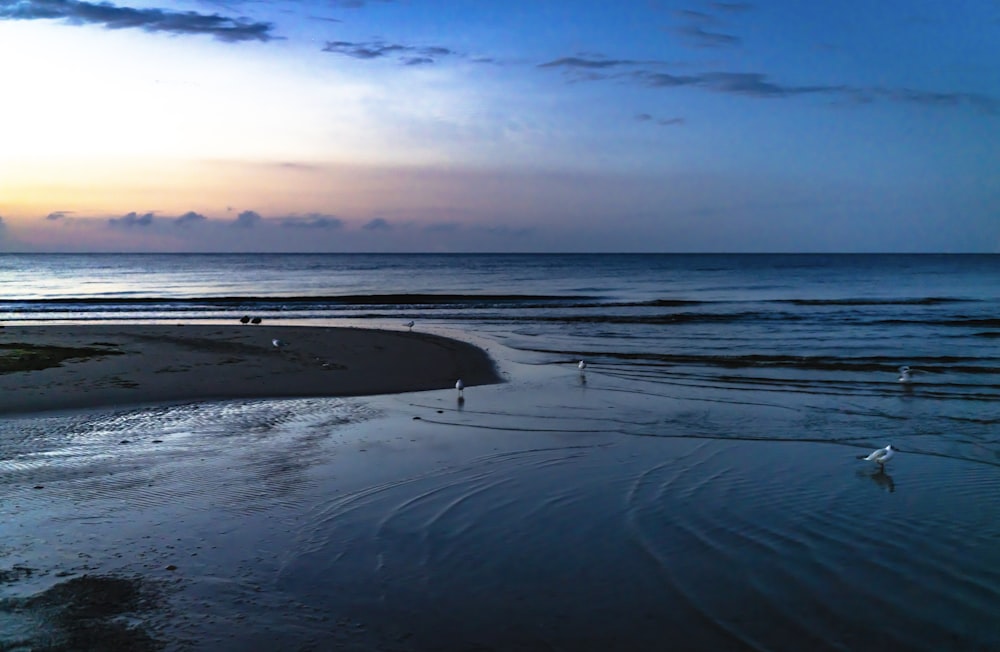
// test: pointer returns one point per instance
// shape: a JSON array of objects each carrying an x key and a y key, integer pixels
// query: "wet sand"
[
  {"x": 121, "y": 365},
  {"x": 555, "y": 511}
]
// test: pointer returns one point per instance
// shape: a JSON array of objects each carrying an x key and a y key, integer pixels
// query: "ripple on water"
[{"x": 706, "y": 545}]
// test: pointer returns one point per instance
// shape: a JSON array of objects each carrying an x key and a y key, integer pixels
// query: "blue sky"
[{"x": 410, "y": 125}]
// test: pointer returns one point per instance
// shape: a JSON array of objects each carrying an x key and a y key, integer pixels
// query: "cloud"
[
  {"x": 579, "y": 62},
  {"x": 246, "y": 219},
  {"x": 984, "y": 103},
  {"x": 409, "y": 55},
  {"x": 665, "y": 122},
  {"x": 111, "y": 16},
  {"x": 701, "y": 37},
  {"x": 130, "y": 220},
  {"x": 738, "y": 83},
  {"x": 757, "y": 85},
  {"x": 315, "y": 221},
  {"x": 190, "y": 218},
  {"x": 695, "y": 30},
  {"x": 761, "y": 86},
  {"x": 58, "y": 215},
  {"x": 377, "y": 224}
]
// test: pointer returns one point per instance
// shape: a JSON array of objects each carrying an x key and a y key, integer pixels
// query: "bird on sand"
[
  {"x": 880, "y": 456},
  {"x": 255, "y": 320},
  {"x": 245, "y": 319},
  {"x": 409, "y": 324}
]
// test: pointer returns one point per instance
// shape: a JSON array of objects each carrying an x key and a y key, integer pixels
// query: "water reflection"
[{"x": 882, "y": 479}]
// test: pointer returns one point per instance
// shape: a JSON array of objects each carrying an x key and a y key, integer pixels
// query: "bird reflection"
[{"x": 882, "y": 479}]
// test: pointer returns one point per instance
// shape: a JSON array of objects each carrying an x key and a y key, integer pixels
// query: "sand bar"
[{"x": 133, "y": 364}]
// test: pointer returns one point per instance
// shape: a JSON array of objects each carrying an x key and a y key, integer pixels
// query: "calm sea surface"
[{"x": 697, "y": 488}]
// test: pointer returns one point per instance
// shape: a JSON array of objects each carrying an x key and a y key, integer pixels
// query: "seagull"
[
  {"x": 582, "y": 366},
  {"x": 904, "y": 374},
  {"x": 409, "y": 324},
  {"x": 881, "y": 456},
  {"x": 277, "y": 343},
  {"x": 245, "y": 319},
  {"x": 460, "y": 386},
  {"x": 255, "y": 320}
]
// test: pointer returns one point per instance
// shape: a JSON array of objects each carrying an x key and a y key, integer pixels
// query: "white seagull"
[
  {"x": 277, "y": 343},
  {"x": 904, "y": 374},
  {"x": 881, "y": 456},
  {"x": 460, "y": 386},
  {"x": 582, "y": 365}
]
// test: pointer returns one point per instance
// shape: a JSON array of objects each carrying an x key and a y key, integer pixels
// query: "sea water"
[{"x": 696, "y": 487}]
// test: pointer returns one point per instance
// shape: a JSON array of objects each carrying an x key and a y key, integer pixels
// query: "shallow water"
[
  {"x": 552, "y": 512},
  {"x": 697, "y": 488}
]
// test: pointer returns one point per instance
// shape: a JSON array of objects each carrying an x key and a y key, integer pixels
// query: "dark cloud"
[
  {"x": 984, "y": 103},
  {"x": 665, "y": 122},
  {"x": 58, "y": 215},
  {"x": 739, "y": 83},
  {"x": 579, "y": 62},
  {"x": 377, "y": 224},
  {"x": 749, "y": 83},
  {"x": 695, "y": 31},
  {"x": 312, "y": 222},
  {"x": 701, "y": 37},
  {"x": 130, "y": 220},
  {"x": 246, "y": 219},
  {"x": 190, "y": 218},
  {"x": 150, "y": 20},
  {"x": 760, "y": 85},
  {"x": 666, "y": 80},
  {"x": 409, "y": 54}
]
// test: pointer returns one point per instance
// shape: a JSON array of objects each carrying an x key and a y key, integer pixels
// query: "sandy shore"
[{"x": 140, "y": 364}]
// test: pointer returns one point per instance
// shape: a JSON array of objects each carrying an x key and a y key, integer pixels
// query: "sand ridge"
[{"x": 170, "y": 363}]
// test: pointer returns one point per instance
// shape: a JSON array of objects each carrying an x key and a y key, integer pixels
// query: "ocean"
[{"x": 696, "y": 487}]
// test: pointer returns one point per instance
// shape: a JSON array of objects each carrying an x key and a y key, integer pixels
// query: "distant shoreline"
[{"x": 115, "y": 365}]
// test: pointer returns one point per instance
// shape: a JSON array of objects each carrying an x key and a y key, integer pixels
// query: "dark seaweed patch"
[{"x": 19, "y": 356}]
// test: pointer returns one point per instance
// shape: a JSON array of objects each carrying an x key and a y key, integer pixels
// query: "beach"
[
  {"x": 104, "y": 365},
  {"x": 696, "y": 487}
]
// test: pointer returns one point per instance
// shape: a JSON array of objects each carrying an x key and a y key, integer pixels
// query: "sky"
[{"x": 514, "y": 126}]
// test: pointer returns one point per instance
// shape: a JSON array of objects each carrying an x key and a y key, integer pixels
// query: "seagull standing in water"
[
  {"x": 905, "y": 374},
  {"x": 582, "y": 366},
  {"x": 460, "y": 386},
  {"x": 409, "y": 324},
  {"x": 881, "y": 456}
]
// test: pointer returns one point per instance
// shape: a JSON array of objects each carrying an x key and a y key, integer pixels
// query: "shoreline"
[{"x": 136, "y": 364}]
